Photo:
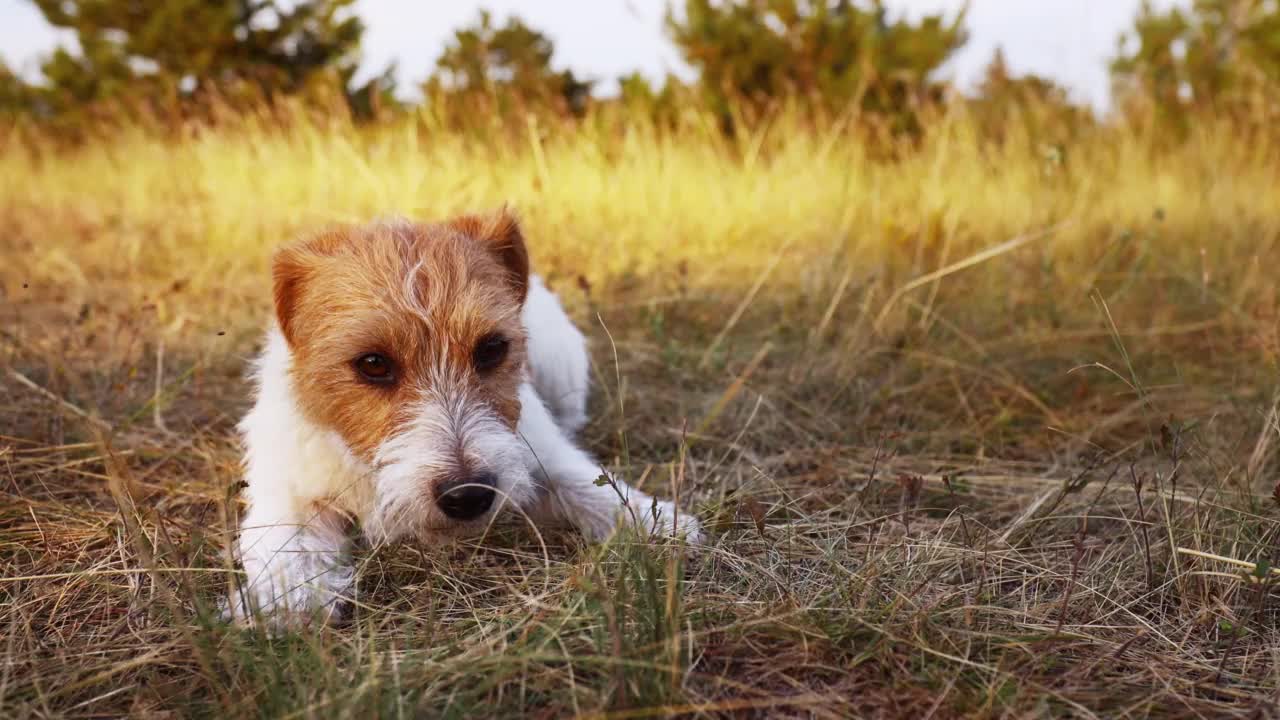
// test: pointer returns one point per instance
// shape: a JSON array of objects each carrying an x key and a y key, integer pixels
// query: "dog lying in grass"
[{"x": 419, "y": 381}]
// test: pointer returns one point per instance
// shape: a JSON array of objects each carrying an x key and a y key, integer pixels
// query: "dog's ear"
[
  {"x": 292, "y": 266},
  {"x": 500, "y": 234}
]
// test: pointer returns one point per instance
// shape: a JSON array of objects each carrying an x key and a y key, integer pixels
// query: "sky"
[{"x": 1069, "y": 41}]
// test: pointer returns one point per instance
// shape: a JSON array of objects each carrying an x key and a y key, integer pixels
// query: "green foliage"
[
  {"x": 375, "y": 98},
  {"x": 503, "y": 72},
  {"x": 1027, "y": 106},
  {"x": 167, "y": 62},
  {"x": 14, "y": 93},
  {"x": 835, "y": 54},
  {"x": 1221, "y": 56},
  {"x": 164, "y": 55},
  {"x": 278, "y": 46},
  {"x": 638, "y": 97}
]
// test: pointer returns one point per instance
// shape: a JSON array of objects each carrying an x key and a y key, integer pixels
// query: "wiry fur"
[{"x": 324, "y": 449}]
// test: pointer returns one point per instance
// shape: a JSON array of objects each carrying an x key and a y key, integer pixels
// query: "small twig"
[
  {"x": 678, "y": 478},
  {"x": 44, "y": 540},
  {"x": 734, "y": 388},
  {"x": 608, "y": 479},
  {"x": 1251, "y": 567},
  {"x": 64, "y": 404},
  {"x": 875, "y": 461},
  {"x": 1142, "y": 523},
  {"x": 966, "y": 263},
  {"x": 1078, "y": 542},
  {"x": 910, "y": 499},
  {"x": 1038, "y": 509},
  {"x": 1026, "y": 515},
  {"x": 1115, "y": 654},
  {"x": 821, "y": 328},
  {"x": 156, "y": 414}
]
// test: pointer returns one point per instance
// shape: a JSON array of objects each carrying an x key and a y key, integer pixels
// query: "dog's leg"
[
  {"x": 293, "y": 544},
  {"x": 296, "y": 562},
  {"x": 558, "y": 360},
  {"x": 571, "y": 489}
]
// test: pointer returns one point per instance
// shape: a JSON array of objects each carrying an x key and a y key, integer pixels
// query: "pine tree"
[
  {"x": 183, "y": 49},
  {"x": 750, "y": 53},
  {"x": 1221, "y": 56},
  {"x": 502, "y": 70},
  {"x": 1009, "y": 105},
  {"x": 13, "y": 90}
]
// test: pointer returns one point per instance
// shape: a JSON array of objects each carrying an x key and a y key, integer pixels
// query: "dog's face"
[{"x": 407, "y": 342}]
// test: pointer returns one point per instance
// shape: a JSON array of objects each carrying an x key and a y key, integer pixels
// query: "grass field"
[{"x": 980, "y": 429}]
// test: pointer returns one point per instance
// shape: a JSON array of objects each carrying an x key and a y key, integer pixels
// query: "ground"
[{"x": 977, "y": 430}]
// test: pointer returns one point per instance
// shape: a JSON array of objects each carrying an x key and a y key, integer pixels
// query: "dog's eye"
[
  {"x": 489, "y": 352},
  {"x": 375, "y": 368}
]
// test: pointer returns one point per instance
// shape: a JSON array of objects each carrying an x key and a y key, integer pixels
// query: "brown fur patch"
[
  {"x": 422, "y": 295},
  {"x": 500, "y": 233}
]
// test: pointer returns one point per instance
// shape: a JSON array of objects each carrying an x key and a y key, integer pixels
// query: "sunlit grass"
[
  {"x": 633, "y": 205},
  {"x": 951, "y": 406}
]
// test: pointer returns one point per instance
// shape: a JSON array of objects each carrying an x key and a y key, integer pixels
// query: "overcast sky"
[{"x": 1068, "y": 40}]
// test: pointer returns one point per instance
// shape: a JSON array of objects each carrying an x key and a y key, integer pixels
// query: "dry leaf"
[{"x": 756, "y": 510}]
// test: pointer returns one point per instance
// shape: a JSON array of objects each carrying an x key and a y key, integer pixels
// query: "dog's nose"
[{"x": 467, "y": 497}]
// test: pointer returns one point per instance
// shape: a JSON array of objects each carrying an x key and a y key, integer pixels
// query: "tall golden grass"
[{"x": 615, "y": 203}]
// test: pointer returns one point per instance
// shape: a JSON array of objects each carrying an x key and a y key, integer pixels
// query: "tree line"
[{"x": 201, "y": 58}]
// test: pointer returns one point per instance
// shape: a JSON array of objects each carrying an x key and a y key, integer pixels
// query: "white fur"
[
  {"x": 304, "y": 483},
  {"x": 558, "y": 360},
  {"x": 569, "y": 476},
  {"x": 291, "y": 542},
  {"x": 425, "y": 448}
]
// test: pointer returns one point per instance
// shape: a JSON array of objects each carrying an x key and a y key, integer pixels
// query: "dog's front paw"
[
  {"x": 283, "y": 611},
  {"x": 283, "y": 594},
  {"x": 663, "y": 519}
]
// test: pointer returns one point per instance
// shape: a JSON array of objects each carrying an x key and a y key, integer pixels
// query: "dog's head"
[{"x": 407, "y": 342}]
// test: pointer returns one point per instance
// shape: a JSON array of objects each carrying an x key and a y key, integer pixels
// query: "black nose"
[{"x": 467, "y": 497}]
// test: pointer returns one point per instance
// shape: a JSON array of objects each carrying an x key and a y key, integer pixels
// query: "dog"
[{"x": 419, "y": 381}]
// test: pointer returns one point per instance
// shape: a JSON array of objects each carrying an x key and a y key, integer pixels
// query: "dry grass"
[{"x": 943, "y": 481}]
